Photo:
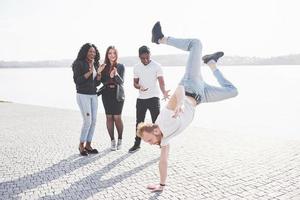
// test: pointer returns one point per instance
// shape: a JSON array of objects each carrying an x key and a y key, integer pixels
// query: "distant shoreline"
[
  {"x": 164, "y": 60},
  {"x": 48, "y": 67}
]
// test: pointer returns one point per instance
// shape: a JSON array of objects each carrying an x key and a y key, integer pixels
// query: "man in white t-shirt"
[
  {"x": 191, "y": 91},
  {"x": 147, "y": 75}
]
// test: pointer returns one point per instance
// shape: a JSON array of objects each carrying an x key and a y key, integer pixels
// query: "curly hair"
[{"x": 83, "y": 53}]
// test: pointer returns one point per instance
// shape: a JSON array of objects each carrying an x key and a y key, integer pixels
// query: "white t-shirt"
[
  {"x": 147, "y": 75},
  {"x": 170, "y": 126}
]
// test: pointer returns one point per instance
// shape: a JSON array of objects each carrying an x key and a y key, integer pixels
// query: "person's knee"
[
  {"x": 109, "y": 117},
  {"x": 196, "y": 43},
  {"x": 87, "y": 122},
  {"x": 93, "y": 123},
  {"x": 117, "y": 118},
  {"x": 234, "y": 92}
]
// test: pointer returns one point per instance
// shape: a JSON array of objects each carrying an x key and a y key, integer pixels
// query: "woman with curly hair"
[{"x": 87, "y": 76}]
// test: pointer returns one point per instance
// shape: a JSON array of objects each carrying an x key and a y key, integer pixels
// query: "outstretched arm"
[
  {"x": 163, "y": 164},
  {"x": 163, "y": 170}
]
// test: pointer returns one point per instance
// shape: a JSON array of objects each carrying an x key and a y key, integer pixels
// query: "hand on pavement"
[{"x": 155, "y": 187}]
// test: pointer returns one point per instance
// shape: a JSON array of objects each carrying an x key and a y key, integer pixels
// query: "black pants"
[{"x": 142, "y": 105}]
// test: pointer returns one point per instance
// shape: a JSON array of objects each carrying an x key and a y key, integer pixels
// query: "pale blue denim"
[
  {"x": 88, "y": 105},
  {"x": 192, "y": 79}
]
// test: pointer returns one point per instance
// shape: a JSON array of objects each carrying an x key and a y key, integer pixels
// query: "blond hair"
[{"x": 142, "y": 127}]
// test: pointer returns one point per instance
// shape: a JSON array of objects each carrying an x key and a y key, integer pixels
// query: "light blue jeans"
[
  {"x": 88, "y": 105},
  {"x": 192, "y": 79}
]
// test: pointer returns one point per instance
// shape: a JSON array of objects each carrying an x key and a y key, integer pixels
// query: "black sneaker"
[
  {"x": 83, "y": 152},
  {"x": 214, "y": 56},
  {"x": 156, "y": 33},
  {"x": 134, "y": 148},
  {"x": 91, "y": 151}
]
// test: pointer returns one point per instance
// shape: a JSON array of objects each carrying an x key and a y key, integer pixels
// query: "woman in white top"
[{"x": 191, "y": 91}]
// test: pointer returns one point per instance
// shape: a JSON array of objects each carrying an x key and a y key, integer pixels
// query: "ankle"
[
  {"x": 81, "y": 145},
  {"x": 163, "y": 40},
  {"x": 88, "y": 145},
  {"x": 212, "y": 65}
]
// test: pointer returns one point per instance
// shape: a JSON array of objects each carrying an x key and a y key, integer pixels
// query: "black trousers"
[{"x": 142, "y": 105}]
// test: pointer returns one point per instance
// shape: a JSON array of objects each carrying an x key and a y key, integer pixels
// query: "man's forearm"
[
  {"x": 163, "y": 164},
  {"x": 162, "y": 84},
  {"x": 163, "y": 171}
]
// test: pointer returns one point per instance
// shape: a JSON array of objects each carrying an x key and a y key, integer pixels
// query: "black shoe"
[
  {"x": 83, "y": 152},
  {"x": 91, "y": 151},
  {"x": 214, "y": 56},
  {"x": 134, "y": 148},
  {"x": 156, "y": 33}
]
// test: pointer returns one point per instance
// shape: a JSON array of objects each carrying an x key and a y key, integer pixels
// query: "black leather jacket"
[
  {"x": 117, "y": 80},
  {"x": 83, "y": 85}
]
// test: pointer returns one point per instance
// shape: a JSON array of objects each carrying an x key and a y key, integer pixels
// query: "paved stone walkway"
[{"x": 39, "y": 160}]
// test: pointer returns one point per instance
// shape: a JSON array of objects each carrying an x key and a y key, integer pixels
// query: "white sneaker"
[
  {"x": 113, "y": 145},
  {"x": 119, "y": 145}
]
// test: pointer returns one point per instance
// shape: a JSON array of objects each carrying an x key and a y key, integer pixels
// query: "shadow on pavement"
[{"x": 62, "y": 168}]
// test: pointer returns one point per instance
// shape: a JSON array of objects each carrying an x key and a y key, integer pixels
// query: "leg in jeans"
[
  {"x": 194, "y": 46},
  {"x": 213, "y": 93},
  {"x": 84, "y": 104},
  {"x": 94, "y": 108},
  {"x": 154, "y": 108},
  {"x": 192, "y": 80},
  {"x": 141, "y": 110}
]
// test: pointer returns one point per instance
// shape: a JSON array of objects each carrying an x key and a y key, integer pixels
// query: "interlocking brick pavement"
[{"x": 39, "y": 160}]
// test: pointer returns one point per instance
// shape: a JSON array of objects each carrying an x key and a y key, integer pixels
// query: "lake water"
[{"x": 268, "y": 101}]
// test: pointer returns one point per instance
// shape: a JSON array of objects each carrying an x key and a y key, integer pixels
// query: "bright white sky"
[{"x": 56, "y": 29}]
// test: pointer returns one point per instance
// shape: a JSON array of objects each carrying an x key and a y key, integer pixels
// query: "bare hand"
[
  {"x": 101, "y": 68},
  {"x": 113, "y": 72},
  {"x": 91, "y": 65},
  {"x": 178, "y": 110},
  {"x": 143, "y": 89},
  {"x": 155, "y": 187},
  {"x": 166, "y": 95}
]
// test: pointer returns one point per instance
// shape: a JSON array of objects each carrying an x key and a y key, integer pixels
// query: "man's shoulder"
[
  {"x": 155, "y": 63},
  {"x": 137, "y": 65}
]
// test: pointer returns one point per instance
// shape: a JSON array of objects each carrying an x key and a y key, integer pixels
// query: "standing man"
[{"x": 146, "y": 75}]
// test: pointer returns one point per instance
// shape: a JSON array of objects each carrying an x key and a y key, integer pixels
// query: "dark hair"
[
  {"x": 144, "y": 49},
  {"x": 83, "y": 53},
  {"x": 106, "y": 60}
]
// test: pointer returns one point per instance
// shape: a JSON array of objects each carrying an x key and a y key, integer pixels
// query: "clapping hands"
[
  {"x": 101, "y": 68},
  {"x": 113, "y": 72}
]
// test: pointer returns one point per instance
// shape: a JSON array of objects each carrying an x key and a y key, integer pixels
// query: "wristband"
[{"x": 162, "y": 185}]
